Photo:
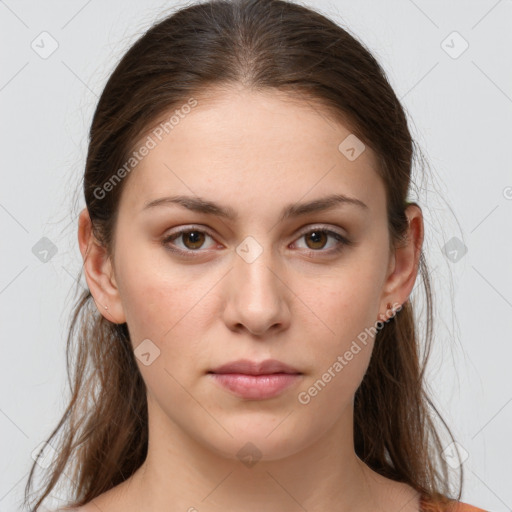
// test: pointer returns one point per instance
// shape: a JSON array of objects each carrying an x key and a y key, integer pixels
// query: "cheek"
[
  {"x": 160, "y": 310},
  {"x": 341, "y": 321},
  {"x": 154, "y": 292},
  {"x": 166, "y": 305},
  {"x": 342, "y": 307}
]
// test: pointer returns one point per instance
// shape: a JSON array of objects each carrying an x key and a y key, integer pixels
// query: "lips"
[
  {"x": 256, "y": 381},
  {"x": 247, "y": 367}
]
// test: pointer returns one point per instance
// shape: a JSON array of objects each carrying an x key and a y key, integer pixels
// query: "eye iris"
[
  {"x": 193, "y": 236},
  {"x": 315, "y": 235}
]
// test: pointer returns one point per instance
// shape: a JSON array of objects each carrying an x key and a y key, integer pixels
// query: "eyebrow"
[{"x": 201, "y": 205}]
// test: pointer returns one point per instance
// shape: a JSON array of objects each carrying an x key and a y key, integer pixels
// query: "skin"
[{"x": 256, "y": 153}]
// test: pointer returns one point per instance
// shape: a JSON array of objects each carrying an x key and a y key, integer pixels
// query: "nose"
[{"x": 257, "y": 298}]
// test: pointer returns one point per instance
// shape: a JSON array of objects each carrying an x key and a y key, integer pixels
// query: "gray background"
[{"x": 460, "y": 110}]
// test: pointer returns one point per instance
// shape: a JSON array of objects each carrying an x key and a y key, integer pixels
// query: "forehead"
[{"x": 243, "y": 147}]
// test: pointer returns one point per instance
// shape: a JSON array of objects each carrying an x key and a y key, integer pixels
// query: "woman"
[{"x": 247, "y": 341}]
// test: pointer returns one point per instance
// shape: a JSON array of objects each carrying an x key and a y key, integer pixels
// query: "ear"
[
  {"x": 99, "y": 272},
  {"x": 404, "y": 263}
]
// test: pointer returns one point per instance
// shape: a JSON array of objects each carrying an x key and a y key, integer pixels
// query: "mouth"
[
  {"x": 247, "y": 367},
  {"x": 256, "y": 381}
]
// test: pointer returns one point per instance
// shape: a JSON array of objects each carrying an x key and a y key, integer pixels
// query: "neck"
[{"x": 181, "y": 473}]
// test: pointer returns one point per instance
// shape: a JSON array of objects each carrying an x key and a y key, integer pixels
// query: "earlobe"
[{"x": 99, "y": 272}]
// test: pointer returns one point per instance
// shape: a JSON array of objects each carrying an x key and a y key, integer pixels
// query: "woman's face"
[{"x": 256, "y": 284}]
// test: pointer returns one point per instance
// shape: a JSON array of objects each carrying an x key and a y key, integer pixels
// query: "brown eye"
[
  {"x": 318, "y": 239},
  {"x": 194, "y": 238},
  {"x": 187, "y": 240},
  {"x": 321, "y": 242}
]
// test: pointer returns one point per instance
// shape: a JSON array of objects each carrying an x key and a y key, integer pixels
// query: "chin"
[{"x": 263, "y": 441}]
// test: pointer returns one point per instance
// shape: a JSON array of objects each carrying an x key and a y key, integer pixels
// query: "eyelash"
[{"x": 311, "y": 252}]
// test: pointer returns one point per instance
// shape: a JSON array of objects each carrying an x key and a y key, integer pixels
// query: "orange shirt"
[{"x": 453, "y": 506}]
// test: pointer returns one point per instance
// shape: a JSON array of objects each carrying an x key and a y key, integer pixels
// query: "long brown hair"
[{"x": 262, "y": 45}]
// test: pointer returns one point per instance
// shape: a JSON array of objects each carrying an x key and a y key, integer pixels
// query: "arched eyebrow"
[{"x": 201, "y": 205}]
